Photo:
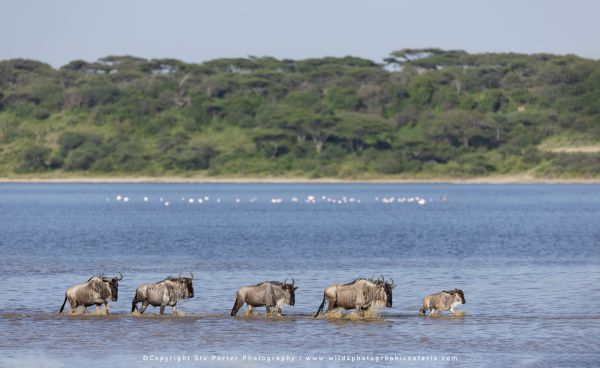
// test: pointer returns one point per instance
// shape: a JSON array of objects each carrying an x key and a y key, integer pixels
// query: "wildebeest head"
[
  {"x": 459, "y": 293},
  {"x": 187, "y": 286},
  {"x": 113, "y": 283},
  {"x": 291, "y": 290},
  {"x": 386, "y": 289}
]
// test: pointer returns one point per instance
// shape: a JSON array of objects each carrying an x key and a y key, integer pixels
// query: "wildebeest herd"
[{"x": 361, "y": 294}]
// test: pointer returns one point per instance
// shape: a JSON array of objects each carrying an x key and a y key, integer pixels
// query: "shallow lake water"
[{"x": 526, "y": 256}]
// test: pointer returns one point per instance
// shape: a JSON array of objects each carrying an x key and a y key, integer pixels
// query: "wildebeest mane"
[
  {"x": 168, "y": 278},
  {"x": 456, "y": 291},
  {"x": 452, "y": 292},
  {"x": 173, "y": 278},
  {"x": 101, "y": 277},
  {"x": 278, "y": 283},
  {"x": 355, "y": 281}
]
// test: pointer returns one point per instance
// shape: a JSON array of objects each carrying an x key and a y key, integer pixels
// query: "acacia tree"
[
  {"x": 285, "y": 117},
  {"x": 461, "y": 127},
  {"x": 358, "y": 130},
  {"x": 303, "y": 115},
  {"x": 273, "y": 142},
  {"x": 320, "y": 128}
]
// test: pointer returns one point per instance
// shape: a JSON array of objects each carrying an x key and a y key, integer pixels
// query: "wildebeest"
[
  {"x": 442, "y": 301},
  {"x": 164, "y": 293},
  {"x": 93, "y": 292},
  {"x": 359, "y": 294},
  {"x": 268, "y": 294}
]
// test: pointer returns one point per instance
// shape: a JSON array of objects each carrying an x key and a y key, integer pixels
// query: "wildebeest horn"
[
  {"x": 393, "y": 284},
  {"x": 293, "y": 282},
  {"x": 120, "y": 277},
  {"x": 191, "y": 275},
  {"x": 284, "y": 281},
  {"x": 382, "y": 279},
  {"x": 178, "y": 277}
]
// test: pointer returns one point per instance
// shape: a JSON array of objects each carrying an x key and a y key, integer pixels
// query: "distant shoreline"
[{"x": 509, "y": 179}]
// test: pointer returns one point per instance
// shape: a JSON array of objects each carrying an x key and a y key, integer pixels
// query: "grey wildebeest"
[
  {"x": 359, "y": 294},
  {"x": 164, "y": 293},
  {"x": 442, "y": 301},
  {"x": 268, "y": 294},
  {"x": 93, "y": 292}
]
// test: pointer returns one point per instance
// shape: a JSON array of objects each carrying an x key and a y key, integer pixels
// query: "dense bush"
[
  {"x": 34, "y": 159},
  {"x": 422, "y": 112}
]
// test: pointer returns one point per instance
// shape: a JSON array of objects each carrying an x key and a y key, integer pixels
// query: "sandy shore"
[{"x": 509, "y": 179}]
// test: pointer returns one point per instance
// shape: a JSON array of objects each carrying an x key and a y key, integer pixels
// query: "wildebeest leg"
[
  {"x": 359, "y": 310},
  {"x": 98, "y": 302},
  {"x": 144, "y": 306},
  {"x": 330, "y": 304},
  {"x": 134, "y": 302},
  {"x": 268, "y": 308},
  {"x": 162, "y": 309},
  {"x": 250, "y": 309},
  {"x": 73, "y": 305}
]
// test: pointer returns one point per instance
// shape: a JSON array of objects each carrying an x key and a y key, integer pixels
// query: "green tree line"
[{"x": 418, "y": 113}]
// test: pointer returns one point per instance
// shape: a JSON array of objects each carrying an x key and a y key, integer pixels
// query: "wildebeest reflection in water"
[
  {"x": 360, "y": 294},
  {"x": 268, "y": 294},
  {"x": 442, "y": 301},
  {"x": 164, "y": 293},
  {"x": 93, "y": 292}
]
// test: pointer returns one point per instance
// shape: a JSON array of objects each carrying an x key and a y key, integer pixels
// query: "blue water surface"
[{"x": 526, "y": 256}]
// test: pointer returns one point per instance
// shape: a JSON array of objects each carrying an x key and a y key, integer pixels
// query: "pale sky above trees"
[{"x": 58, "y": 31}]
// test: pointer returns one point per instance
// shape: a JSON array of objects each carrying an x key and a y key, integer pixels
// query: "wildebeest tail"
[
  {"x": 237, "y": 304},
  {"x": 320, "y": 306},
  {"x": 63, "y": 305},
  {"x": 134, "y": 302}
]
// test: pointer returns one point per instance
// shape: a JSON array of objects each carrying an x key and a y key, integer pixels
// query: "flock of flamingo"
[{"x": 311, "y": 199}]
